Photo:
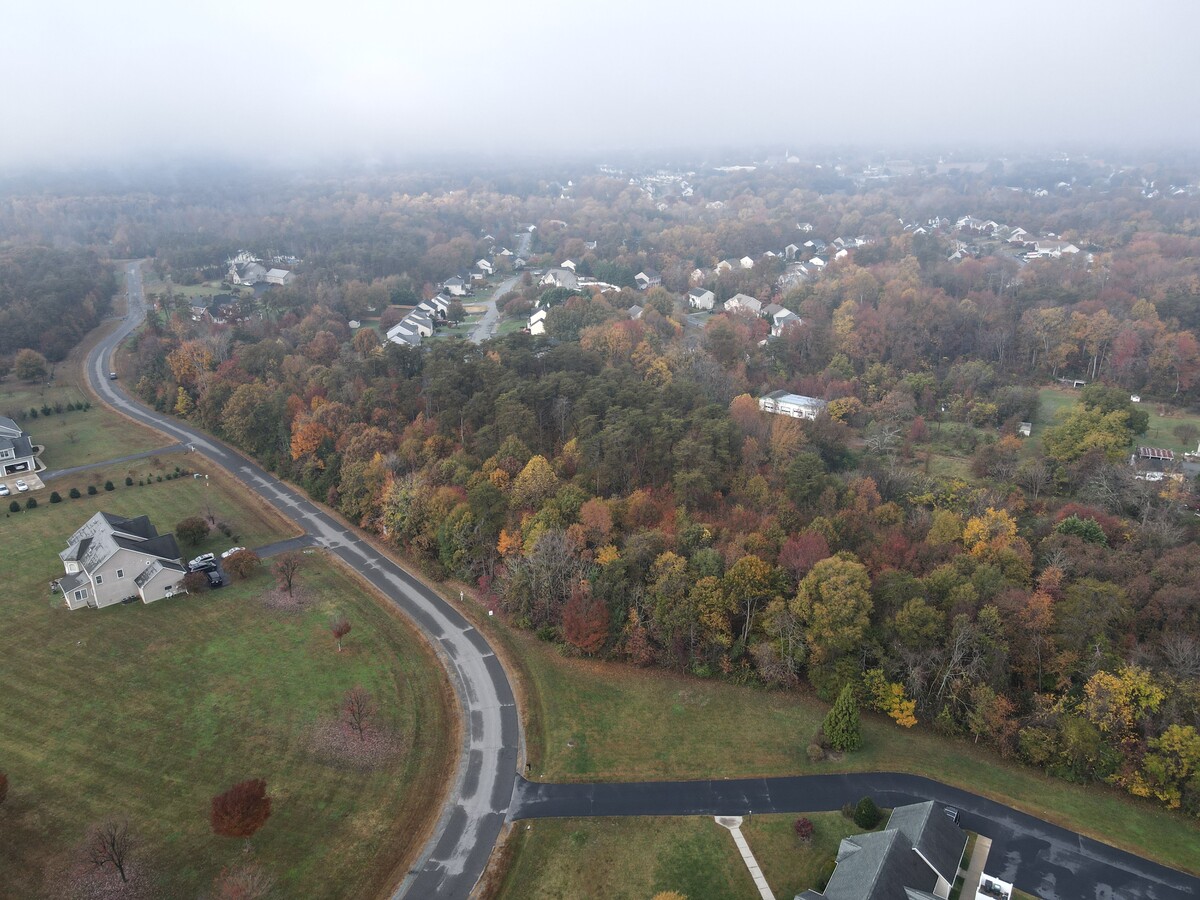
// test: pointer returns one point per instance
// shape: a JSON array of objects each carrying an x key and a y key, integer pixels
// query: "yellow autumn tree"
[
  {"x": 888, "y": 697},
  {"x": 534, "y": 484},
  {"x": 992, "y": 530}
]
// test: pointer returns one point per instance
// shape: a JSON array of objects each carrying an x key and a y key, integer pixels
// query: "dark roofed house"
[
  {"x": 16, "y": 448},
  {"x": 111, "y": 558},
  {"x": 915, "y": 857}
]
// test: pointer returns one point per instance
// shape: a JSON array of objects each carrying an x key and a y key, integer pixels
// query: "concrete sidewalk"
[
  {"x": 734, "y": 824},
  {"x": 974, "y": 873}
]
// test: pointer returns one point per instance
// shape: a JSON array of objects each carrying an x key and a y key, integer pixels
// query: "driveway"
[{"x": 1040, "y": 858}]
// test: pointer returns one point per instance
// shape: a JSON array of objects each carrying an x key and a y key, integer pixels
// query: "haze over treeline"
[{"x": 134, "y": 81}]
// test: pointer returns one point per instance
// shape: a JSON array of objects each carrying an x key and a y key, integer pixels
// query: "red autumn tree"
[
  {"x": 585, "y": 620},
  {"x": 340, "y": 626},
  {"x": 804, "y": 829},
  {"x": 241, "y": 810},
  {"x": 801, "y": 552}
]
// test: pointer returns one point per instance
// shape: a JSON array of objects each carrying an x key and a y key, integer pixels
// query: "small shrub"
[
  {"x": 31, "y": 503},
  {"x": 159, "y": 478},
  {"x": 804, "y": 829},
  {"x": 15, "y": 506},
  {"x": 55, "y": 498},
  {"x": 108, "y": 486},
  {"x": 92, "y": 490},
  {"x": 815, "y": 753},
  {"x": 128, "y": 481},
  {"x": 87, "y": 404},
  {"x": 140, "y": 482},
  {"x": 47, "y": 409},
  {"x": 70, "y": 406},
  {"x": 225, "y": 529},
  {"x": 58, "y": 407},
  {"x": 867, "y": 814},
  {"x": 74, "y": 494},
  {"x": 32, "y": 413}
]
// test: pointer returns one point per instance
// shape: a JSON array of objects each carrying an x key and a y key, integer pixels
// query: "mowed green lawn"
[
  {"x": 73, "y": 438},
  {"x": 635, "y": 858},
  {"x": 625, "y": 859},
  {"x": 145, "y": 712},
  {"x": 593, "y": 721},
  {"x": 1164, "y": 418}
]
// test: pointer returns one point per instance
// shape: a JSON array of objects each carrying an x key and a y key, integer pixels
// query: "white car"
[
  {"x": 232, "y": 550},
  {"x": 4, "y": 491},
  {"x": 21, "y": 486},
  {"x": 203, "y": 559}
]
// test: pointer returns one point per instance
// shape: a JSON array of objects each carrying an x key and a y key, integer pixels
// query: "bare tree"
[
  {"x": 286, "y": 567},
  {"x": 110, "y": 845},
  {"x": 1035, "y": 476},
  {"x": 1182, "y": 654},
  {"x": 249, "y": 881},
  {"x": 358, "y": 707}
]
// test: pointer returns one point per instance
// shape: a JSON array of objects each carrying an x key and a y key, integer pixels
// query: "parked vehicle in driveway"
[
  {"x": 215, "y": 580},
  {"x": 204, "y": 559},
  {"x": 21, "y": 486},
  {"x": 4, "y": 491},
  {"x": 232, "y": 550}
]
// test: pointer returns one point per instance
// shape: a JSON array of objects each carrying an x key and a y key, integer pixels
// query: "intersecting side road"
[
  {"x": 1040, "y": 858},
  {"x": 475, "y": 811}
]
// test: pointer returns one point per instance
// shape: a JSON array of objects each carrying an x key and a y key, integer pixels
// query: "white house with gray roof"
[
  {"x": 111, "y": 558},
  {"x": 16, "y": 448},
  {"x": 915, "y": 857},
  {"x": 781, "y": 403}
]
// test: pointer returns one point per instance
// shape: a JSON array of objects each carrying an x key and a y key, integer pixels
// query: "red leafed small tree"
[
  {"x": 340, "y": 626},
  {"x": 585, "y": 620},
  {"x": 804, "y": 829},
  {"x": 241, "y": 810}
]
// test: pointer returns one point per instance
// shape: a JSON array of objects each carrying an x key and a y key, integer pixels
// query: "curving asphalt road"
[
  {"x": 1040, "y": 858},
  {"x": 475, "y": 811}
]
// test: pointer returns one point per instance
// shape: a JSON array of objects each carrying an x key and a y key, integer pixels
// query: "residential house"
[
  {"x": 112, "y": 558},
  {"x": 817, "y": 263},
  {"x": 782, "y": 403},
  {"x": 647, "y": 279},
  {"x": 697, "y": 276},
  {"x": 485, "y": 267},
  {"x": 794, "y": 275},
  {"x": 915, "y": 857},
  {"x": 699, "y": 298},
  {"x": 841, "y": 254},
  {"x": 455, "y": 286},
  {"x": 560, "y": 277},
  {"x": 635, "y": 311},
  {"x": 741, "y": 303},
  {"x": 1053, "y": 248},
  {"x": 279, "y": 276},
  {"x": 419, "y": 322},
  {"x": 805, "y": 227},
  {"x": 537, "y": 322},
  {"x": 16, "y": 448},
  {"x": 567, "y": 264},
  {"x": 198, "y": 307},
  {"x": 404, "y": 334},
  {"x": 504, "y": 251},
  {"x": 790, "y": 251},
  {"x": 816, "y": 245},
  {"x": 725, "y": 265},
  {"x": 250, "y": 273},
  {"x": 783, "y": 319},
  {"x": 222, "y": 309},
  {"x": 746, "y": 262}
]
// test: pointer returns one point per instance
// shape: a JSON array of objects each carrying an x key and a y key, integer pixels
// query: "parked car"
[
  {"x": 4, "y": 491},
  {"x": 112, "y": 376},
  {"x": 204, "y": 559},
  {"x": 232, "y": 550},
  {"x": 215, "y": 580},
  {"x": 21, "y": 486}
]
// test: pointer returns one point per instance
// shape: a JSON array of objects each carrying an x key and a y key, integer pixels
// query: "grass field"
[
  {"x": 635, "y": 858},
  {"x": 625, "y": 859},
  {"x": 72, "y": 438},
  {"x": 1163, "y": 419},
  {"x": 592, "y": 721},
  {"x": 144, "y": 712}
]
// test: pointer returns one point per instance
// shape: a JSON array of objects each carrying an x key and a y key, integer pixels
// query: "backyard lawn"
[
  {"x": 594, "y": 721},
  {"x": 144, "y": 712},
  {"x": 1164, "y": 418}
]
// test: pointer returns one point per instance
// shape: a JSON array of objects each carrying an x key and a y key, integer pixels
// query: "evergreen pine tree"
[{"x": 841, "y": 724}]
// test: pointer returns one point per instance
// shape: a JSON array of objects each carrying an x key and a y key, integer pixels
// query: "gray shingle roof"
[{"x": 931, "y": 832}]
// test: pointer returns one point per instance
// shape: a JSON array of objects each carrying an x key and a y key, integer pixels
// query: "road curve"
[
  {"x": 1040, "y": 858},
  {"x": 475, "y": 811}
]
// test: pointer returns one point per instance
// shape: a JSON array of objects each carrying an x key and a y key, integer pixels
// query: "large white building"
[{"x": 781, "y": 403}]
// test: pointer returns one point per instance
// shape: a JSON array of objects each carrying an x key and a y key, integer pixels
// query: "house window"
[
  {"x": 99, "y": 579},
  {"x": 120, "y": 573},
  {"x": 81, "y": 594}
]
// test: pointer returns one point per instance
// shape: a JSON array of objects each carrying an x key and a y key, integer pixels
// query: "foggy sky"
[{"x": 141, "y": 80}]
